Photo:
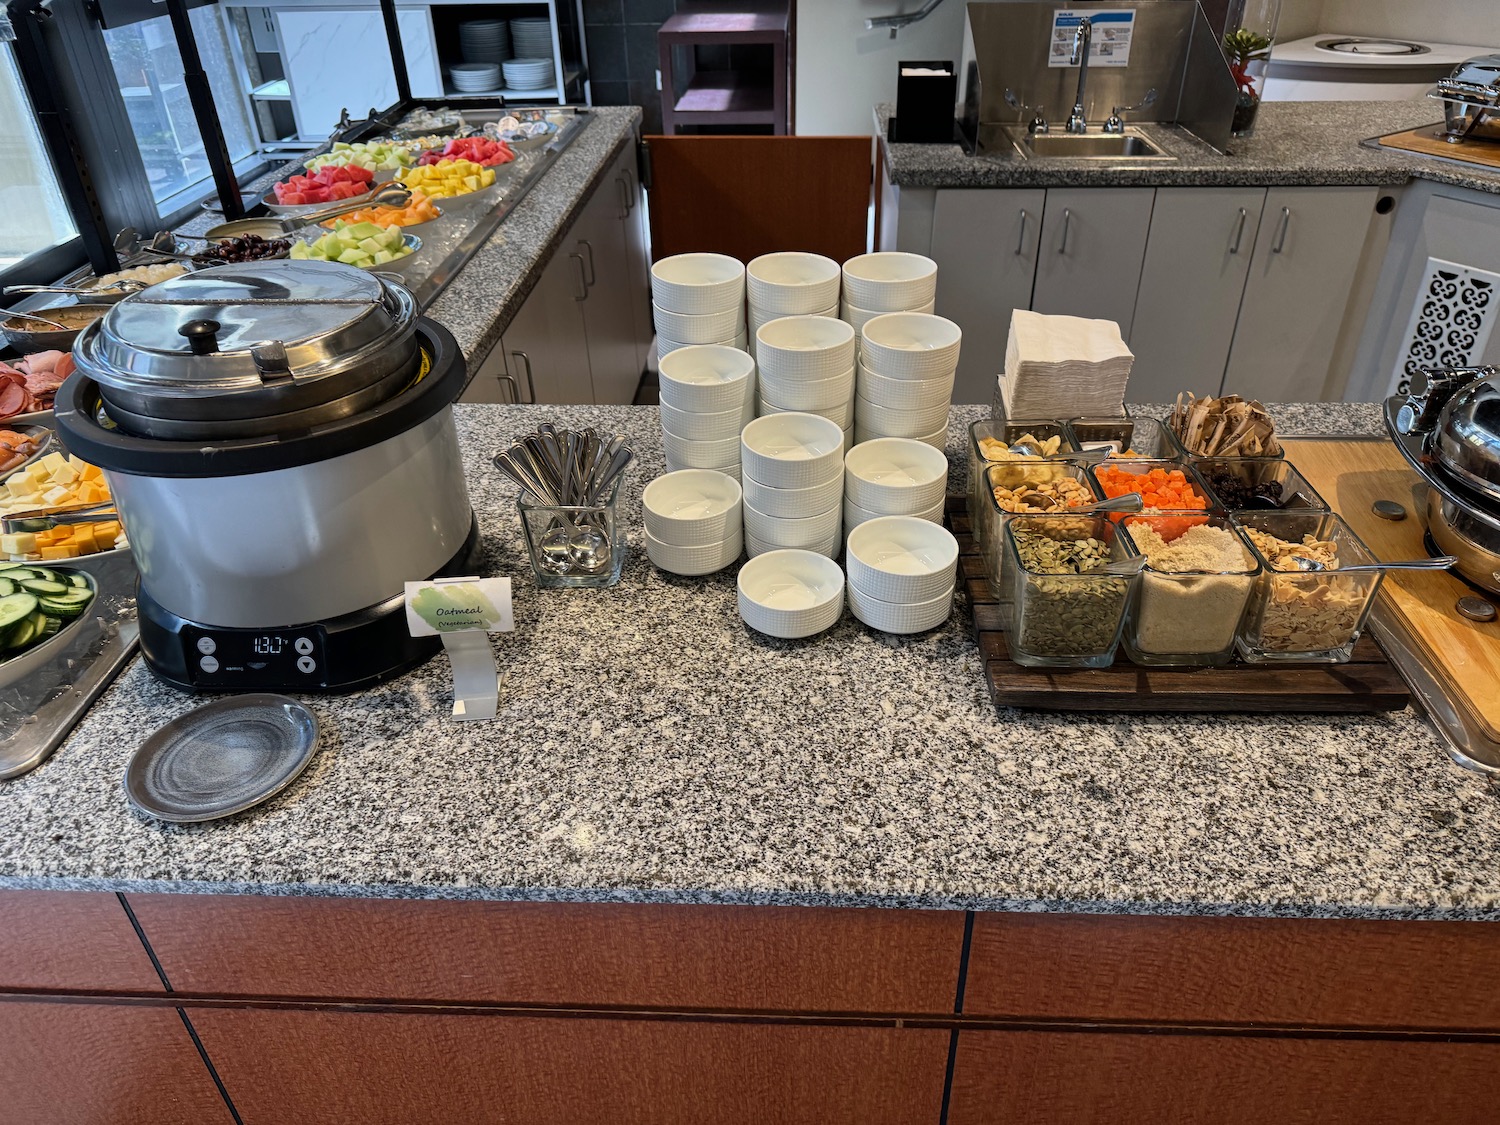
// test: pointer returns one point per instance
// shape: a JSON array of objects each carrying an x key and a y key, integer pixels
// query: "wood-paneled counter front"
[{"x": 159, "y": 1007}]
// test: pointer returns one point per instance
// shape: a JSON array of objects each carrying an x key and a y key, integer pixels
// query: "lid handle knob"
[{"x": 201, "y": 335}]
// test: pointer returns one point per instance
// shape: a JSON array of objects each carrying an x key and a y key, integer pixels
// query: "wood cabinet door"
[
  {"x": 1197, "y": 259},
  {"x": 1093, "y": 245},
  {"x": 598, "y": 238},
  {"x": 985, "y": 245},
  {"x": 1083, "y": 1078},
  {"x": 74, "y": 940},
  {"x": 97, "y": 1064},
  {"x": 1306, "y": 255},
  {"x": 397, "y": 1068},
  {"x": 545, "y": 348}
]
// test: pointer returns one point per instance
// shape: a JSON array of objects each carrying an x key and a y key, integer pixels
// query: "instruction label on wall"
[{"x": 1113, "y": 28}]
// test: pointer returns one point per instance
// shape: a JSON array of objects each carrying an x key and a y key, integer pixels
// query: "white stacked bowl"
[
  {"x": 890, "y": 281},
  {"x": 693, "y": 521},
  {"x": 792, "y": 283},
  {"x": 707, "y": 397},
  {"x": 902, "y": 571},
  {"x": 857, "y": 317},
  {"x": 905, "y": 377},
  {"x": 698, "y": 284},
  {"x": 808, "y": 366},
  {"x": 894, "y": 477},
  {"x": 790, "y": 593},
  {"x": 793, "y": 464}
]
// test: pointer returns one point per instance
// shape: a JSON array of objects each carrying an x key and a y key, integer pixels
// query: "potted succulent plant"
[{"x": 1249, "y": 35}]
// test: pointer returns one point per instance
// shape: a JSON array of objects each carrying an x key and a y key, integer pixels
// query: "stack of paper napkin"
[{"x": 1064, "y": 367}]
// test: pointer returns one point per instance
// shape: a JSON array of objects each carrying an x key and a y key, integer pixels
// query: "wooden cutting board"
[
  {"x": 1465, "y": 655},
  {"x": 1428, "y": 140}
]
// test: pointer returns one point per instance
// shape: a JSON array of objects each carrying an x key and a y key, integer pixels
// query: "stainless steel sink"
[{"x": 1129, "y": 145}]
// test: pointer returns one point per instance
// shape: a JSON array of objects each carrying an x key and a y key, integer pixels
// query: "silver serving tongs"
[
  {"x": 124, "y": 284},
  {"x": 40, "y": 520}
]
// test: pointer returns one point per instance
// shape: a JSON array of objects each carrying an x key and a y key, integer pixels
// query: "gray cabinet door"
[
  {"x": 545, "y": 348},
  {"x": 1093, "y": 245},
  {"x": 637, "y": 275},
  {"x": 1306, "y": 256},
  {"x": 1197, "y": 259},
  {"x": 985, "y": 245}
]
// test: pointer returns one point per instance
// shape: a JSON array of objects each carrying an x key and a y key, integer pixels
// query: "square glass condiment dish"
[
  {"x": 1006, "y": 430},
  {"x": 1056, "y": 617},
  {"x": 1144, "y": 466},
  {"x": 1019, "y": 475},
  {"x": 1187, "y": 618},
  {"x": 1141, "y": 437},
  {"x": 1230, "y": 479},
  {"x": 1306, "y": 617}
]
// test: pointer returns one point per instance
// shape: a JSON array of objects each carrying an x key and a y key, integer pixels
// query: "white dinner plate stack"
[
  {"x": 531, "y": 37},
  {"x": 886, "y": 282},
  {"x": 807, "y": 365},
  {"x": 698, "y": 299},
  {"x": 693, "y": 523},
  {"x": 791, "y": 284},
  {"x": 901, "y": 573},
  {"x": 707, "y": 397},
  {"x": 528, "y": 74},
  {"x": 475, "y": 78},
  {"x": 894, "y": 477},
  {"x": 794, "y": 483},
  {"x": 484, "y": 41},
  {"x": 905, "y": 377}
]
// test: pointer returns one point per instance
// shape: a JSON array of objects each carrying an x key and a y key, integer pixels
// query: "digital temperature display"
[
  {"x": 268, "y": 646},
  {"x": 230, "y": 658}
]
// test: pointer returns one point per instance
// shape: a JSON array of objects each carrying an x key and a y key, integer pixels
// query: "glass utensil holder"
[{"x": 574, "y": 545}]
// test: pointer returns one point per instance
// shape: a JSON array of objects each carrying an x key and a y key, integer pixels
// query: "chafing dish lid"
[
  {"x": 1467, "y": 442},
  {"x": 1476, "y": 79}
]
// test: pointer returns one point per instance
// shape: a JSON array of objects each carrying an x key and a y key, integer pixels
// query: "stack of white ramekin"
[
  {"x": 807, "y": 365},
  {"x": 904, "y": 382},
  {"x": 693, "y": 521},
  {"x": 707, "y": 396},
  {"x": 902, "y": 571},
  {"x": 698, "y": 299},
  {"x": 791, "y": 284},
  {"x": 794, "y": 483},
  {"x": 887, "y": 282},
  {"x": 894, "y": 477}
]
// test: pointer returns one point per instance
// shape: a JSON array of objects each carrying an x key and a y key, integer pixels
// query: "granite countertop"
[
  {"x": 1294, "y": 144},
  {"x": 484, "y": 296},
  {"x": 651, "y": 748}
]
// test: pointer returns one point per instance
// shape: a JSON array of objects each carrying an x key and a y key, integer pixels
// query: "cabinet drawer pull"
[
  {"x": 1021, "y": 240},
  {"x": 1239, "y": 231},
  {"x": 525, "y": 360},
  {"x": 582, "y": 292},
  {"x": 632, "y": 193},
  {"x": 515, "y": 391},
  {"x": 588, "y": 248},
  {"x": 1062, "y": 247},
  {"x": 1286, "y": 222},
  {"x": 624, "y": 197}
]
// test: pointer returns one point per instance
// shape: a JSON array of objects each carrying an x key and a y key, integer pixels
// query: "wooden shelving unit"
[{"x": 720, "y": 97}]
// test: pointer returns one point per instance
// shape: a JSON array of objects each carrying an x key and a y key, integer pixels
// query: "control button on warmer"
[
  {"x": 306, "y": 664},
  {"x": 304, "y": 646},
  {"x": 209, "y": 663},
  {"x": 207, "y": 646}
]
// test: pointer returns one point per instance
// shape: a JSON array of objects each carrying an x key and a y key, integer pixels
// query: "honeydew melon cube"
[
  {"x": 370, "y": 246},
  {"x": 384, "y": 256},
  {"x": 354, "y": 257}
]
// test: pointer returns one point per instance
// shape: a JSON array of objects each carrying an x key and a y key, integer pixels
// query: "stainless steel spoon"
[
  {"x": 1086, "y": 456},
  {"x": 1127, "y": 502},
  {"x": 1439, "y": 562},
  {"x": 32, "y": 316}
]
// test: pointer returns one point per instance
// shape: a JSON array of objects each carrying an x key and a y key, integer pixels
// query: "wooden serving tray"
[
  {"x": 1428, "y": 141},
  {"x": 1367, "y": 683}
]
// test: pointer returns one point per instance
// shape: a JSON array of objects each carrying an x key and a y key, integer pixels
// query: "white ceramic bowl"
[
  {"x": 829, "y": 548},
  {"x": 857, "y": 316},
  {"x": 889, "y": 422},
  {"x": 901, "y": 559},
  {"x": 904, "y": 394},
  {"x": 793, "y": 503},
  {"x": 792, "y": 282},
  {"x": 841, "y": 415},
  {"x": 794, "y": 532},
  {"x": 698, "y": 284},
  {"x": 890, "y": 281},
  {"x": 696, "y": 426},
  {"x": 938, "y": 439},
  {"x": 760, "y": 317},
  {"x": 910, "y": 345},
  {"x": 895, "y": 476},
  {"x": 791, "y": 393},
  {"x": 665, "y": 347},
  {"x": 707, "y": 558},
  {"x": 790, "y": 594},
  {"x": 904, "y": 619},
  {"x": 805, "y": 347},
  {"x": 854, "y": 515},
  {"x": 728, "y": 470},
  {"x": 699, "y": 454},
  {"x": 692, "y": 508},
  {"x": 792, "y": 450},
  {"x": 705, "y": 329},
  {"x": 709, "y": 378}
]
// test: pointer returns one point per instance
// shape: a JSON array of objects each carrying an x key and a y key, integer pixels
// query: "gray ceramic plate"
[{"x": 222, "y": 758}]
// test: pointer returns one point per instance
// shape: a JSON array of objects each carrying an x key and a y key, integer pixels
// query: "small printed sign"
[
  {"x": 1113, "y": 29},
  {"x": 459, "y": 605}
]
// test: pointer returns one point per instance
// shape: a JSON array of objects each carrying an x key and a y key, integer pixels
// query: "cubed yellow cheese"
[
  {"x": 66, "y": 551},
  {"x": 65, "y": 474}
]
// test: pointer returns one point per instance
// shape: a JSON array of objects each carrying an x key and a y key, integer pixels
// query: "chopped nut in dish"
[
  {"x": 1044, "y": 496},
  {"x": 1283, "y": 555},
  {"x": 996, "y": 450},
  {"x": 1313, "y": 611}
]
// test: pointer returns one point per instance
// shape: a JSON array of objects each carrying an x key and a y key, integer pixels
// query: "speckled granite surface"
[
  {"x": 1295, "y": 143},
  {"x": 650, "y": 748},
  {"x": 486, "y": 294}
]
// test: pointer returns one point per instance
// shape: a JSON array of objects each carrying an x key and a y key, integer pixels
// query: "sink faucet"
[{"x": 1082, "y": 38}]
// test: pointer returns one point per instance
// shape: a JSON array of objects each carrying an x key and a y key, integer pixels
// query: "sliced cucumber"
[
  {"x": 46, "y": 625},
  {"x": 62, "y": 608},
  {"x": 44, "y": 586},
  {"x": 70, "y": 597},
  {"x": 7, "y": 587},
  {"x": 22, "y": 635},
  {"x": 15, "y": 607},
  {"x": 79, "y": 581},
  {"x": 16, "y": 573},
  {"x": 46, "y": 572}
]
